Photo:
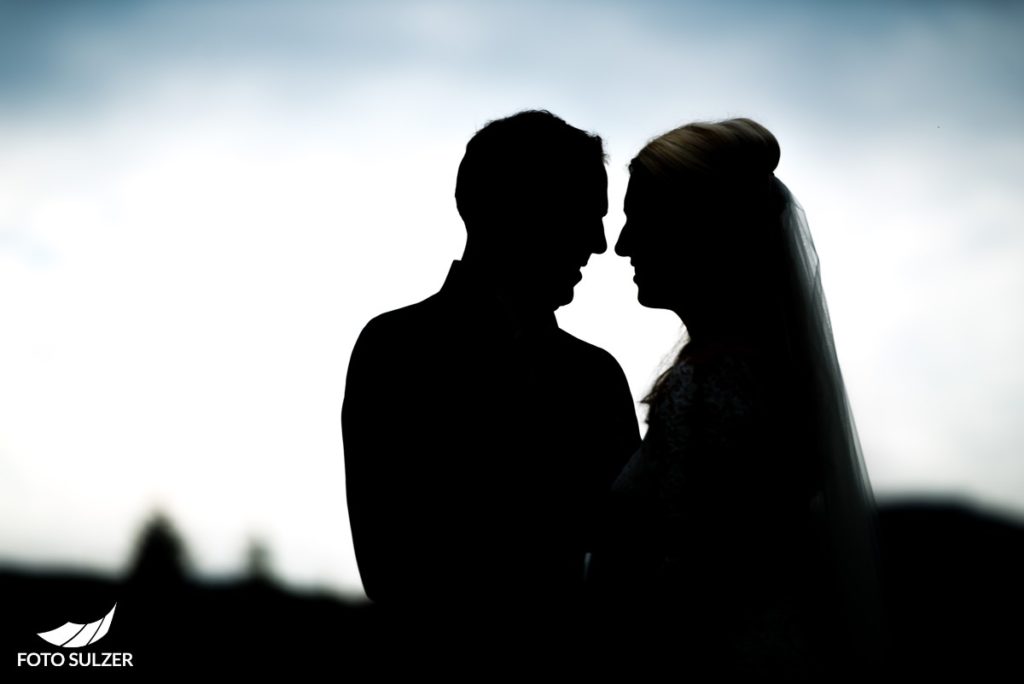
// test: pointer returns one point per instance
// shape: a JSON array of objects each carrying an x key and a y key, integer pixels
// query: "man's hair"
[{"x": 523, "y": 158}]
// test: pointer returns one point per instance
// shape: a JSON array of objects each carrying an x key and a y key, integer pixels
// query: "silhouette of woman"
[{"x": 742, "y": 529}]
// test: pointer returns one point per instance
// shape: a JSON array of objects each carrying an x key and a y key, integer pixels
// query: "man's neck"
[{"x": 508, "y": 294}]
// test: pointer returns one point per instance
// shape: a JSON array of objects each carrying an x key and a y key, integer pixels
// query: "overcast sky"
[{"x": 201, "y": 203}]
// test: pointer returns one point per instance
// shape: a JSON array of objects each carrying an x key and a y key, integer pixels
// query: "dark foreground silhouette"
[
  {"x": 953, "y": 596},
  {"x": 479, "y": 437},
  {"x": 742, "y": 527}
]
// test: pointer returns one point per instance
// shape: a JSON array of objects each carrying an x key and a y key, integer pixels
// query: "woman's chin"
[{"x": 648, "y": 299}]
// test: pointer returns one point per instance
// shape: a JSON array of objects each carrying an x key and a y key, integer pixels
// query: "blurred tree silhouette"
[
  {"x": 160, "y": 557},
  {"x": 257, "y": 563}
]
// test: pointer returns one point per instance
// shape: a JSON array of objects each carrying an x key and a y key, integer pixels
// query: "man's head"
[{"x": 532, "y": 191}]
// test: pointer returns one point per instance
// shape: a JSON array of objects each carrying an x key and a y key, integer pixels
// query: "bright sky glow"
[{"x": 202, "y": 203}]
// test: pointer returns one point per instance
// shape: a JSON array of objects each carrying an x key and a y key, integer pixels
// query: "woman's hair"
[
  {"x": 725, "y": 150},
  {"x": 729, "y": 166}
]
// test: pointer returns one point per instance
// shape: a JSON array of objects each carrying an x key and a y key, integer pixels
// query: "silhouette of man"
[{"x": 479, "y": 436}]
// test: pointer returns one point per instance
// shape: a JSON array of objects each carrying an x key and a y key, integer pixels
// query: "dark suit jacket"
[{"x": 477, "y": 449}]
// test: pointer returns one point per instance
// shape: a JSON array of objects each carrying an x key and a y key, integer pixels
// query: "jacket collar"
[{"x": 476, "y": 289}]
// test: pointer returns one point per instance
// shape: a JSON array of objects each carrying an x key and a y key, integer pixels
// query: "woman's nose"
[{"x": 623, "y": 244}]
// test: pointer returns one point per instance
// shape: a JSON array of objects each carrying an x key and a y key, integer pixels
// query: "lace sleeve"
[
  {"x": 706, "y": 425},
  {"x": 720, "y": 488}
]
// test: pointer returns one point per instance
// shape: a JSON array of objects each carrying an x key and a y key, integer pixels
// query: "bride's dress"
[
  {"x": 707, "y": 530},
  {"x": 742, "y": 530}
]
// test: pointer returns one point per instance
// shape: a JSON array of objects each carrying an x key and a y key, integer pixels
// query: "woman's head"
[{"x": 701, "y": 209}]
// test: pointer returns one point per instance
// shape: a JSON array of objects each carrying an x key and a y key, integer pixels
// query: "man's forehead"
[
  {"x": 578, "y": 194},
  {"x": 590, "y": 179}
]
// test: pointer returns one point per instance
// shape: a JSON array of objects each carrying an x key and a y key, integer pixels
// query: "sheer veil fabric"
[
  {"x": 746, "y": 521},
  {"x": 844, "y": 510}
]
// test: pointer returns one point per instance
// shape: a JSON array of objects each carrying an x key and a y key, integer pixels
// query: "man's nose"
[{"x": 599, "y": 244}]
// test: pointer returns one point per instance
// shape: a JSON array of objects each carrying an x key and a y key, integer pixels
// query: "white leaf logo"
[{"x": 74, "y": 635}]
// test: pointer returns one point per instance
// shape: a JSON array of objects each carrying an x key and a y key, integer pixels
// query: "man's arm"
[
  {"x": 374, "y": 522},
  {"x": 623, "y": 431},
  {"x": 619, "y": 437}
]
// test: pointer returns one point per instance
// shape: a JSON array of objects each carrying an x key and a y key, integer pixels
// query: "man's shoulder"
[
  {"x": 588, "y": 356},
  {"x": 392, "y": 336},
  {"x": 404, "y": 320}
]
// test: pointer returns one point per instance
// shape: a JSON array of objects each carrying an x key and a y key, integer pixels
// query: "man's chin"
[{"x": 564, "y": 298}]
